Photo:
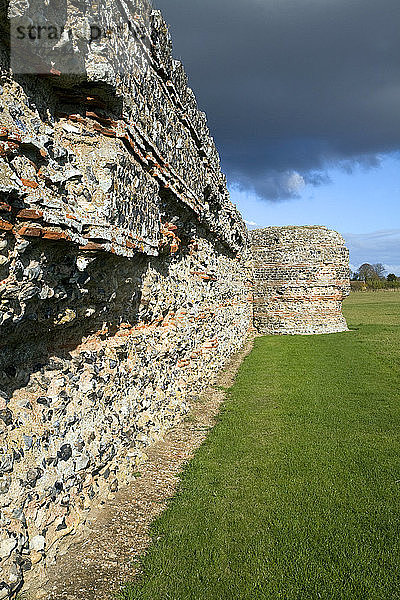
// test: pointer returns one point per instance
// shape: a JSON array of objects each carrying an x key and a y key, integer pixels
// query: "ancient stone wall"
[
  {"x": 124, "y": 273},
  {"x": 301, "y": 275}
]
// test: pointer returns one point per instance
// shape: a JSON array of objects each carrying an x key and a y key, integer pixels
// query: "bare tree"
[
  {"x": 367, "y": 271},
  {"x": 379, "y": 270}
]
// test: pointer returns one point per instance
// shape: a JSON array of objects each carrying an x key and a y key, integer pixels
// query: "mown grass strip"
[{"x": 295, "y": 494}]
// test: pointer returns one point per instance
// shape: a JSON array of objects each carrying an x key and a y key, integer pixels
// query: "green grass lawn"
[{"x": 295, "y": 494}]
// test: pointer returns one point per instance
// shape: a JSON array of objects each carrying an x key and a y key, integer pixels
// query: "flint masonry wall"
[
  {"x": 301, "y": 275},
  {"x": 123, "y": 275}
]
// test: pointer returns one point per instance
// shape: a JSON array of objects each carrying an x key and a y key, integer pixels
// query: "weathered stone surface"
[
  {"x": 301, "y": 275},
  {"x": 81, "y": 412},
  {"x": 87, "y": 153},
  {"x": 123, "y": 276}
]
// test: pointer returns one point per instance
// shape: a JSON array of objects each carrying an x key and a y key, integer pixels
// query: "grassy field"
[{"x": 295, "y": 494}]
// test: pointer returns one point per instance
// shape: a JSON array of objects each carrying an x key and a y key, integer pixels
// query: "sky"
[{"x": 303, "y": 101}]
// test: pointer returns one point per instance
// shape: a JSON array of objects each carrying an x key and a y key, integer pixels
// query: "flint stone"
[
  {"x": 4, "y": 485},
  {"x": 33, "y": 475},
  {"x": 6, "y": 463},
  {"x": 6, "y": 416},
  {"x": 7, "y": 546},
  {"x": 65, "y": 452},
  {"x": 37, "y": 543},
  {"x": 28, "y": 440}
]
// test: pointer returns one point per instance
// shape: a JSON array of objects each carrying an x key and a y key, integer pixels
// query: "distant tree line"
[{"x": 373, "y": 277}]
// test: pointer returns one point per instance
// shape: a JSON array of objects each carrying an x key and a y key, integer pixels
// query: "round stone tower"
[{"x": 301, "y": 275}]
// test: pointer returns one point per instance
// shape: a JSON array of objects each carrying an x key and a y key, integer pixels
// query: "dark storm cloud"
[{"x": 292, "y": 86}]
